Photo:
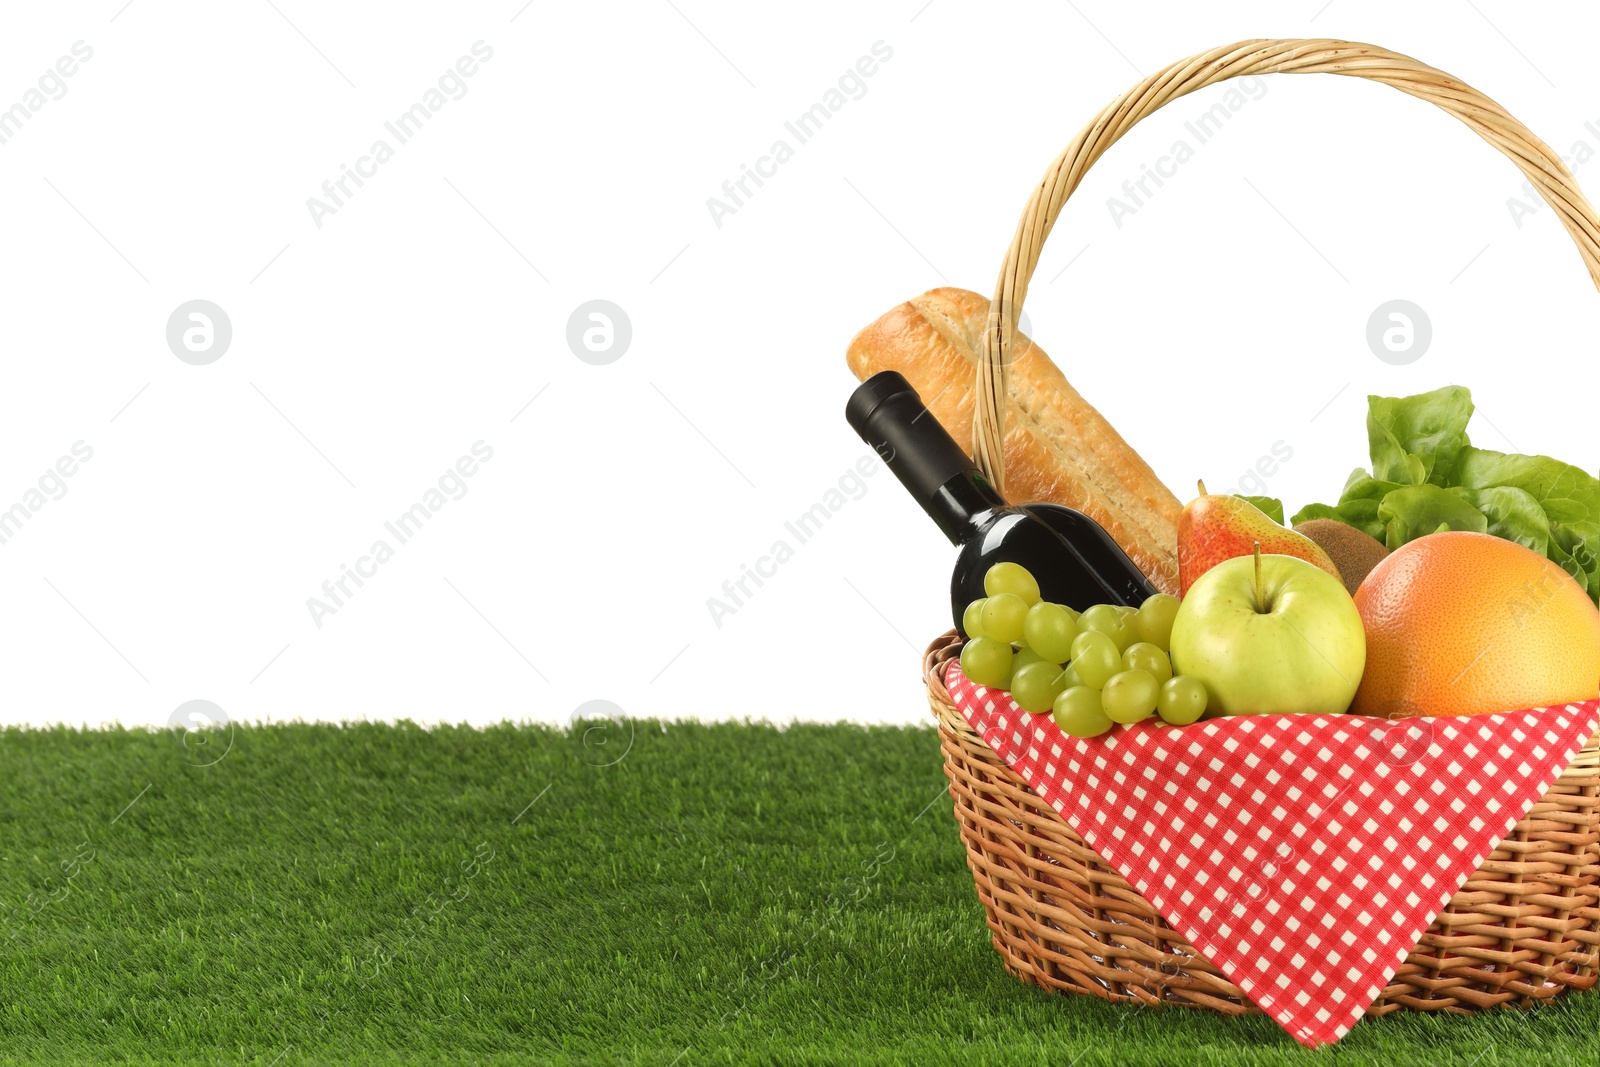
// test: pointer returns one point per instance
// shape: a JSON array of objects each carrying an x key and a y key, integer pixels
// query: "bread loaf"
[{"x": 1058, "y": 448}]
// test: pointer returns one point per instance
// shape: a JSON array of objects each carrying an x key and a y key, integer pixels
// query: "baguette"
[{"x": 1058, "y": 448}]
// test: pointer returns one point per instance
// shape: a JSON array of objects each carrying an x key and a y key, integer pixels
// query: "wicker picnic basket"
[{"x": 1522, "y": 929}]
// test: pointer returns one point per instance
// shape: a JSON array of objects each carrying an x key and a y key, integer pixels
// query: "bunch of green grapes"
[{"x": 1108, "y": 664}]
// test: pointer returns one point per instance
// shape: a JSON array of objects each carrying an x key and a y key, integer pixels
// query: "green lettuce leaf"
[
  {"x": 1512, "y": 513},
  {"x": 1271, "y": 505},
  {"x": 1358, "y": 504},
  {"x": 1573, "y": 547},
  {"x": 1320, "y": 511},
  {"x": 1426, "y": 476},
  {"x": 1362, "y": 514},
  {"x": 1566, "y": 493},
  {"x": 1417, "y": 439},
  {"x": 1362, "y": 486},
  {"x": 1390, "y": 461},
  {"x": 1418, "y": 510}
]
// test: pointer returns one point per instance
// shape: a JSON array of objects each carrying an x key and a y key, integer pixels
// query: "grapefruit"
[{"x": 1465, "y": 623}]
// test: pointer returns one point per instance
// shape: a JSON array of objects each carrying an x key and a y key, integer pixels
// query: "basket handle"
[{"x": 1485, "y": 117}]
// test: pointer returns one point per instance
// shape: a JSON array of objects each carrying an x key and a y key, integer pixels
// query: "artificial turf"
[{"x": 628, "y": 893}]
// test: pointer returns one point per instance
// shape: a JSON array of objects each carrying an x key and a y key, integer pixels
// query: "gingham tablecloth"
[{"x": 1303, "y": 855}]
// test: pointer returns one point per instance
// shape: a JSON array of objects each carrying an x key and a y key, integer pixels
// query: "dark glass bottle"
[{"x": 1075, "y": 561}]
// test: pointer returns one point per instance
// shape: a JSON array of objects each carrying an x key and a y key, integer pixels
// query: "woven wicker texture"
[
  {"x": 1522, "y": 929},
  {"x": 1488, "y": 119}
]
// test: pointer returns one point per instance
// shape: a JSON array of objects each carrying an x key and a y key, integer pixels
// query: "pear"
[{"x": 1218, "y": 527}]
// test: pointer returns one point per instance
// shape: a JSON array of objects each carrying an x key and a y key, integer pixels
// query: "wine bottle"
[{"x": 1073, "y": 558}]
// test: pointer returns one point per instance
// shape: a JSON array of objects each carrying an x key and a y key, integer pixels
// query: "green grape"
[
  {"x": 1106, "y": 619},
  {"x": 1050, "y": 629},
  {"x": 1025, "y": 655},
  {"x": 972, "y": 619},
  {"x": 1154, "y": 623},
  {"x": 1002, "y": 617},
  {"x": 1126, "y": 612},
  {"x": 1069, "y": 677},
  {"x": 1143, "y": 656},
  {"x": 1130, "y": 696},
  {"x": 1182, "y": 700},
  {"x": 987, "y": 662},
  {"x": 1011, "y": 578},
  {"x": 1079, "y": 714},
  {"x": 1036, "y": 686},
  {"x": 1095, "y": 658}
]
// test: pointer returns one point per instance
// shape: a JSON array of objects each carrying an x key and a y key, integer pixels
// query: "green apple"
[{"x": 1270, "y": 635}]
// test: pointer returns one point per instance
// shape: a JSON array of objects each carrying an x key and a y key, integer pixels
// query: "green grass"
[{"x": 717, "y": 894}]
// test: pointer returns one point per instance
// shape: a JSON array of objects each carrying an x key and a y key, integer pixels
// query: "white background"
[{"x": 1227, "y": 314}]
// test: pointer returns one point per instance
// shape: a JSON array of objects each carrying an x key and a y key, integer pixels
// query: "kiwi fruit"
[{"x": 1353, "y": 551}]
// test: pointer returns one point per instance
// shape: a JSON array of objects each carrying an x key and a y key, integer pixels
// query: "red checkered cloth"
[{"x": 1303, "y": 855}]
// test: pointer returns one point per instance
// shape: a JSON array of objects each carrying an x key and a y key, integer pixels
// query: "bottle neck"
[
  {"x": 891, "y": 418},
  {"x": 961, "y": 506}
]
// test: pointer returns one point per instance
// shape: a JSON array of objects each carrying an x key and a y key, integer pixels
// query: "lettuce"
[
  {"x": 1426, "y": 476},
  {"x": 1511, "y": 513},
  {"x": 1566, "y": 493},
  {"x": 1417, "y": 439},
  {"x": 1576, "y": 546},
  {"x": 1270, "y": 505},
  {"x": 1358, "y": 505},
  {"x": 1418, "y": 510}
]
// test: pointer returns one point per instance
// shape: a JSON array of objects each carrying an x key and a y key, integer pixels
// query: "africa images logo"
[
  {"x": 405, "y": 126},
  {"x": 805, "y": 126}
]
